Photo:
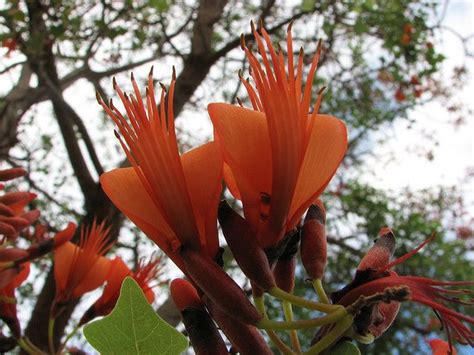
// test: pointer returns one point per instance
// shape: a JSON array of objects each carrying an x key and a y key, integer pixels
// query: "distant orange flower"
[
  {"x": 81, "y": 268},
  {"x": 172, "y": 198},
  {"x": 441, "y": 347},
  {"x": 279, "y": 156},
  {"x": 145, "y": 273},
  {"x": 8, "y": 302}
]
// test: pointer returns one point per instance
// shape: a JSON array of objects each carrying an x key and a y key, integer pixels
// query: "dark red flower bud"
[
  {"x": 379, "y": 255},
  {"x": 11, "y": 254},
  {"x": 284, "y": 273},
  {"x": 12, "y": 173},
  {"x": 202, "y": 331},
  {"x": 244, "y": 337},
  {"x": 284, "y": 270},
  {"x": 184, "y": 294},
  {"x": 45, "y": 246},
  {"x": 219, "y": 286},
  {"x": 245, "y": 248},
  {"x": 313, "y": 246}
]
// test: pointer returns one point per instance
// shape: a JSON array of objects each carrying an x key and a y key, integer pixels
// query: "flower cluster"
[
  {"x": 276, "y": 157},
  {"x": 79, "y": 267}
]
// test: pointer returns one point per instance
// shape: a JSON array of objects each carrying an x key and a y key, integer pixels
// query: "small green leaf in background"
[
  {"x": 345, "y": 348},
  {"x": 133, "y": 327}
]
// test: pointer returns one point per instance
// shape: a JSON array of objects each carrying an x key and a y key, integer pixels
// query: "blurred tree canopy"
[{"x": 380, "y": 60}]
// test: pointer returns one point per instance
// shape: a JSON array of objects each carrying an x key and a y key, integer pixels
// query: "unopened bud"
[
  {"x": 219, "y": 286},
  {"x": 184, "y": 294},
  {"x": 12, "y": 254},
  {"x": 244, "y": 246},
  {"x": 284, "y": 273},
  {"x": 202, "y": 331},
  {"x": 284, "y": 270},
  {"x": 244, "y": 337},
  {"x": 381, "y": 252},
  {"x": 313, "y": 246}
]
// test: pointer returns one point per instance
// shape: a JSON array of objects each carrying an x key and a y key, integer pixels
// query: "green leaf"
[
  {"x": 133, "y": 327},
  {"x": 344, "y": 348}
]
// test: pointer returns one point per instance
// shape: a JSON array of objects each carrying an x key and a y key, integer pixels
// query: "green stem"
[
  {"x": 318, "y": 287},
  {"x": 339, "y": 329},
  {"x": 260, "y": 305},
  {"x": 51, "y": 336},
  {"x": 70, "y": 335},
  {"x": 21, "y": 342},
  {"x": 302, "y": 302},
  {"x": 279, "y": 343},
  {"x": 29, "y": 347},
  {"x": 293, "y": 334},
  {"x": 304, "y": 323}
]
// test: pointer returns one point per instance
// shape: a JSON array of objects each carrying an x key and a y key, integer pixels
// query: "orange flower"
[
  {"x": 441, "y": 347},
  {"x": 81, "y": 268},
  {"x": 377, "y": 277},
  {"x": 143, "y": 275},
  {"x": 172, "y": 198},
  {"x": 8, "y": 302},
  {"x": 279, "y": 157}
]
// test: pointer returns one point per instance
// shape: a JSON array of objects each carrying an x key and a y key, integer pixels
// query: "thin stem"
[
  {"x": 339, "y": 329},
  {"x": 21, "y": 342},
  {"x": 28, "y": 346},
  {"x": 318, "y": 287},
  {"x": 70, "y": 335},
  {"x": 302, "y": 302},
  {"x": 279, "y": 343},
  {"x": 293, "y": 334},
  {"x": 260, "y": 305},
  {"x": 51, "y": 335},
  {"x": 304, "y": 323}
]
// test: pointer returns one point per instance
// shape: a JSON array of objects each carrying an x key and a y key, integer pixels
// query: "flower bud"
[
  {"x": 184, "y": 295},
  {"x": 284, "y": 270},
  {"x": 313, "y": 246},
  {"x": 244, "y": 337},
  {"x": 244, "y": 246},
  {"x": 219, "y": 286},
  {"x": 202, "y": 331},
  {"x": 11, "y": 254},
  {"x": 45, "y": 246},
  {"x": 379, "y": 255}
]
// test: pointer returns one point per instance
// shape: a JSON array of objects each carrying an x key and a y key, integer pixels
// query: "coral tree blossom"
[
  {"x": 172, "y": 198},
  {"x": 81, "y": 268},
  {"x": 279, "y": 157},
  {"x": 374, "y": 275}
]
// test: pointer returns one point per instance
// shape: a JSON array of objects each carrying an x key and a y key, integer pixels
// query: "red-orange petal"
[
  {"x": 126, "y": 191},
  {"x": 327, "y": 145},
  {"x": 245, "y": 144},
  {"x": 63, "y": 259},
  {"x": 202, "y": 169},
  {"x": 94, "y": 278}
]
